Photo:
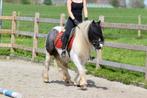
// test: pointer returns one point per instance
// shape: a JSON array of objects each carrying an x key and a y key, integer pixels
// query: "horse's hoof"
[
  {"x": 45, "y": 77},
  {"x": 83, "y": 87},
  {"x": 75, "y": 84},
  {"x": 46, "y": 81}
]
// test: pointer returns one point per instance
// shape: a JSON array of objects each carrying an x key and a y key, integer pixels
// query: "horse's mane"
[
  {"x": 82, "y": 30},
  {"x": 81, "y": 42}
]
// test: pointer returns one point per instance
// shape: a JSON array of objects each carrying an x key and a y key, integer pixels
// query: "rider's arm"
[
  {"x": 85, "y": 8},
  {"x": 69, "y": 9}
]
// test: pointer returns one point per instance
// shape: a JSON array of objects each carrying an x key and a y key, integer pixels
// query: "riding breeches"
[{"x": 68, "y": 27}]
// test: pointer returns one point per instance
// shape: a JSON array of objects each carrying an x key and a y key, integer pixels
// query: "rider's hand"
[{"x": 76, "y": 22}]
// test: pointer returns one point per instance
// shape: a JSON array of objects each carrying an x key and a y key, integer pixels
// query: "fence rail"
[
  {"x": 5, "y": 45},
  {"x": 126, "y": 46},
  {"x": 125, "y": 26},
  {"x": 44, "y": 20},
  {"x": 5, "y": 31},
  {"x": 120, "y": 65},
  {"x": 6, "y": 17},
  {"x": 35, "y": 35}
]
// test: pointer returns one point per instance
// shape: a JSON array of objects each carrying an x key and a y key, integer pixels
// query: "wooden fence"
[{"x": 35, "y": 35}]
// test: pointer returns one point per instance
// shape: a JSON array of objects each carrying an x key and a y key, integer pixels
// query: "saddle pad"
[{"x": 58, "y": 40}]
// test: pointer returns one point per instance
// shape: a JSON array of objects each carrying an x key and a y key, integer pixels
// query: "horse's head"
[{"x": 95, "y": 35}]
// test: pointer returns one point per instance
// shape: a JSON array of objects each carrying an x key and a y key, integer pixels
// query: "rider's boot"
[{"x": 63, "y": 53}]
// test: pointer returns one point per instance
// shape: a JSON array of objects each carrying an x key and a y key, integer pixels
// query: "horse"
[{"x": 87, "y": 35}]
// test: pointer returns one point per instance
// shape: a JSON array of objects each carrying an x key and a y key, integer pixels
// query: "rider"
[{"x": 74, "y": 8}]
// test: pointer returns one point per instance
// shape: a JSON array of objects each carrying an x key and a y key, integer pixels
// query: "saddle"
[{"x": 58, "y": 40}]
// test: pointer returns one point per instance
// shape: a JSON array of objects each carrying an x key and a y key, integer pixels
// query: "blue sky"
[{"x": 145, "y": 2}]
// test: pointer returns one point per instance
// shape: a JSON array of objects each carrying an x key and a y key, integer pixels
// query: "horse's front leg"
[
  {"x": 81, "y": 71},
  {"x": 77, "y": 78},
  {"x": 46, "y": 69}
]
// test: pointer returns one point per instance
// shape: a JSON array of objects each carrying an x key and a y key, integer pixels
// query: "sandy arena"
[{"x": 25, "y": 77}]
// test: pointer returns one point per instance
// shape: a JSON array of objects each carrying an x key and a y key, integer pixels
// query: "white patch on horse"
[
  {"x": 58, "y": 28},
  {"x": 59, "y": 50},
  {"x": 83, "y": 47}
]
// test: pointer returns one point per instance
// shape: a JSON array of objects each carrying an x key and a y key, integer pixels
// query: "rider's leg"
[{"x": 68, "y": 28}]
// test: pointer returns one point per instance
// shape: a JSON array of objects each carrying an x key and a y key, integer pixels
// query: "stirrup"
[{"x": 63, "y": 54}]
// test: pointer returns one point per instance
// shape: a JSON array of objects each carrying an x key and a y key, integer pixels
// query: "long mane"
[
  {"x": 82, "y": 31},
  {"x": 81, "y": 42}
]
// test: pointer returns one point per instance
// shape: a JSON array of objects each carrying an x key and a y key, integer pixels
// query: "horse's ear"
[
  {"x": 93, "y": 21},
  {"x": 99, "y": 22}
]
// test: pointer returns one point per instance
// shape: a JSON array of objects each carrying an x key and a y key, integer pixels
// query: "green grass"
[
  {"x": 116, "y": 15},
  {"x": 125, "y": 76},
  {"x": 4, "y": 51},
  {"x": 124, "y": 56}
]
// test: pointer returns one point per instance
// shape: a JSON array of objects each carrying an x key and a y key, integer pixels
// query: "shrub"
[
  {"x": 25, "y": 1},
  {"x": 48, "y": 2},
  {"x": 115, "y": 3}
]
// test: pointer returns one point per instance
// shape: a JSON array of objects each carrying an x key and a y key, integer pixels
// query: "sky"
[{"x": 145, "y": 2}]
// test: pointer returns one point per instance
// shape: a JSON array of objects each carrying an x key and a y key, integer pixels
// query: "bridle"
[{"x": 98, "y": 44}]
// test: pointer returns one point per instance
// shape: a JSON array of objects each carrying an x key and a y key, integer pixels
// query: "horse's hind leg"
[
  {"x": 64, "y": 67},
  {"x": 46, "y": 69}
]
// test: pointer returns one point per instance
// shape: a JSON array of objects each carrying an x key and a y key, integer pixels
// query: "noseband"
[{"x": 97, "y": 44}]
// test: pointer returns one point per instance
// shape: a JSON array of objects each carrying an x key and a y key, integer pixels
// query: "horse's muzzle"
[{"x": 99, "y": 45}]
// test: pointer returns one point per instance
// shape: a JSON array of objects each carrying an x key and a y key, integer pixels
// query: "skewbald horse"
[{"x": 88, "y": 34}]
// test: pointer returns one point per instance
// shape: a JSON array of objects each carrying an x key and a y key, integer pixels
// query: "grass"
[
  {"x": 124, "y": 56},
  {"x": 116, "y": 15},
  {"x": 125, "y": 76}
]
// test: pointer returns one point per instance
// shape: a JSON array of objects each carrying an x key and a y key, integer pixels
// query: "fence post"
[
  {"x": 35, "y": 38},
  {"x": 18, "y": 22},
  {"x": 139, "y": 23},
  {"x": 62, "y": 19},
  {"x": 13, "y": 32},
  {"x": 98, "y": 58},
  {"x": 99, "y": 52},
  {"x": 146, "y": 66},
  {"x": 1, "y": 12},
  {"x": 102, "y": 18}
]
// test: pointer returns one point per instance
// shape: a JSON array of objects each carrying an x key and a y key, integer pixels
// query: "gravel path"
[{"x": 25, "y": 77}]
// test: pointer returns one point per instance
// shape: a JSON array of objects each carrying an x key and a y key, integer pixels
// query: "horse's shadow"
[
  {"x": 57, "y": 82},
  {"x": 91, "y": 84}
]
